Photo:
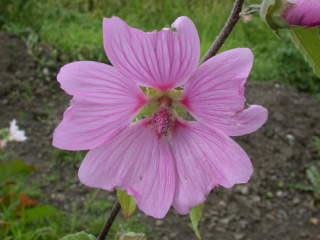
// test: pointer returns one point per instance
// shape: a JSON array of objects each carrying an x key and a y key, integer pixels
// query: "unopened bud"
[{"x": 285, "y": 13}]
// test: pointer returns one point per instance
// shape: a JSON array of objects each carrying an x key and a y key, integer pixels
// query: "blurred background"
[{"x": 46, "y": 201}]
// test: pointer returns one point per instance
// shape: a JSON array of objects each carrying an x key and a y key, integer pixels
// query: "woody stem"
[
  {"x": 226, "y": 30},
  {"x": 107, "y": 226}
]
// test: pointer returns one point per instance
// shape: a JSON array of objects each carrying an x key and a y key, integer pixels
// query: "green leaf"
[
  {"x": 79, "y": 236},
  {"x": 127, "y": 202},
  {"x": 195, "y": 216},
  {"x": 13, "y": 168},
  {"x": 313, "y": 175},
  {"x": 39, "y": 212},
  {"x": 308, "y": 42}
]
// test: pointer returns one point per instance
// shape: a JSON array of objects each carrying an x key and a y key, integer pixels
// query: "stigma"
[{"x": 163, "y": 120}]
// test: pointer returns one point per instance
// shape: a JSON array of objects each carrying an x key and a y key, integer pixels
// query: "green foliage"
[
  {"x": 313, "y": 174},
  {"x": 68, "y": 157},
  {"x": 271, "y": 13},
  {"x": 74, "y": 28},
  {"x": 79, "y": 236},
  {"x": 127, "y": 202},
  {"x": 25, "y": 218},
  {"x": 39, "y": 212},
  {"x": 308, "y": 42},
  {"x": 19, "y": 211},
  {"x": 10, "y": 169},
  {"x": 195, "y": 216},
  {"x": 294, "y": 71}
]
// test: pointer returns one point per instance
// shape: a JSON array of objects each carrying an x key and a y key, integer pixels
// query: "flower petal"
[
  {"x": 161, "y": 59},
  {"x": 245, "y": 122},
  {"x": 135, "y": 161},
  {"x": 215, "y": 93},
  {"x": 103, "y": 104},
  {"x": 304, "y": 13},
  {"x": 205, "y": 158}
]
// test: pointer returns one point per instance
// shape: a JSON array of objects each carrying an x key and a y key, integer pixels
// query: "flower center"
[
  {"x": 162, "y": 110},
  {"x": 162, "y": 122}
]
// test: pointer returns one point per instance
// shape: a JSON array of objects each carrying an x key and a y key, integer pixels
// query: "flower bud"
[
  {"x": 285, "y": 13},
  {"x": 303, "y": 13}
]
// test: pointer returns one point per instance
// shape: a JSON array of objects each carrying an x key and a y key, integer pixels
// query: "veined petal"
[
  {"x": 245, "y": 122},
  {"x": 103, "y": 104},
  {"x": 160, "y": 60},
  {"x": 135, "y": 161},
  {"x": 304, "y": 13},
  {"x": 205, "y": 158},
  {"x": 215, "y": 93}
]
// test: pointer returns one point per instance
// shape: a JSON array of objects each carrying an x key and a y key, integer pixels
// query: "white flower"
[
  {"x": 15, "y": 134},
  {"x": 3, "y": 143}
]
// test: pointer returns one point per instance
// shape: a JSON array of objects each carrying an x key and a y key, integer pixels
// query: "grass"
[
  {"x": 24, "y": 217},
  {"x": 74, "y": 29},
  {"x": 312, "y": 175}
]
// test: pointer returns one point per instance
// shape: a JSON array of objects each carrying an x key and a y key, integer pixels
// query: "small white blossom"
[{"x": 15, "y": 134}]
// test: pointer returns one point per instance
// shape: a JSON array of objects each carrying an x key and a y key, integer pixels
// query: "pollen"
[{"x": 162, "y": 122}]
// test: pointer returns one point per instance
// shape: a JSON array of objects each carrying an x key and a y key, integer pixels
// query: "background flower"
[{"x": 15, "y": 134}]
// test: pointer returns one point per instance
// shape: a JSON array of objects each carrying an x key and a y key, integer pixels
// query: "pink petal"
[
  {"x": 304, "y": 12},
  {"x": 205, "y": 158},
  {"x": 136, "y": 161},
  {"x": 245, "y": 122},
  {"x": 160, "y": 60},
  {"x": 215, "y": 93},
  {"x": 103, "y": 104}
]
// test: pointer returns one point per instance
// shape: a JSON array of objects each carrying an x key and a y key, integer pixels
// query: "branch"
[
  {"x": 114, "y": 212},
  {"x": 225, "y": 32}
]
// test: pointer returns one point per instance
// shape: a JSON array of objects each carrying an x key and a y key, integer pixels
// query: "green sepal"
[
  {"x": 195, "y": 216},
  {"x": 307, "y": 41},
  {"x": 271, "y": 12},
  {"x": 79, "y": 236},
  {"x": 127, "y": 202}
]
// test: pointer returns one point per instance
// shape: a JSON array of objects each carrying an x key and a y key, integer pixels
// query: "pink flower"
[
  {"x": 161, "y": 160},
  {"x": 303, "y": 12}
]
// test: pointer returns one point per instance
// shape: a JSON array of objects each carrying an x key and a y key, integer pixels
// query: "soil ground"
[{"x": 268, "y": 207}]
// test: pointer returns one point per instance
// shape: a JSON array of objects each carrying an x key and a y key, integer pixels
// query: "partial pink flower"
[
  {"x": 303, "y": 13},
  {"x": 162, "y": 160}
]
